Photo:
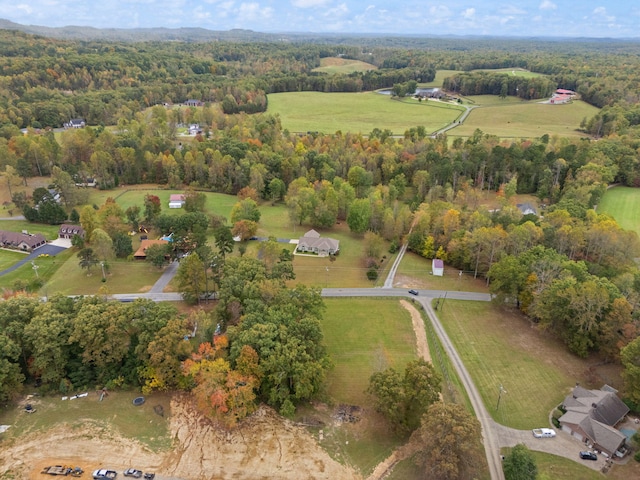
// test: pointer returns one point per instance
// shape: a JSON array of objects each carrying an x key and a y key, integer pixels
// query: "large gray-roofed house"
[
  {"x": 591, "y": 416},
  {"x": 21, "y": 241},
  {"x": 312, "y": 242}
]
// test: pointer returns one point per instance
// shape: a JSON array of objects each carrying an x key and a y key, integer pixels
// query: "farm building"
[
  {"x": 26, "y": 242},
  {"x": 176, "y": 200},
  {"x": 437, "y": 267},
  {"x": 591, "y": 416},
  {"x": 312, "y": 242},
  {"x": 141, "y": 253},
  {"x": 68, "y": 231}
]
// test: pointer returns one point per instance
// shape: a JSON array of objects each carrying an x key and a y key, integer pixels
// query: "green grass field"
[
  {"x": 499, "y": 348},
  {"x": 552, "y": 467},
  {"x": 516, "y": 72},
  {"x": 516, "y": 119},
  {"x": 623, "y": 203},
  {"x": 344, "y": 66},
  {"x": 123, "y": 277},
  {"x": 47, "y": 267},
  {"x": 9, "y": 257},
  {"x": 115, "y": 412},
  {"x": 415, "y": 271},
  {"x": 50, "y": 232},
  {"x": 356, "y": 112},
  {"x": 363, "y": 336}
]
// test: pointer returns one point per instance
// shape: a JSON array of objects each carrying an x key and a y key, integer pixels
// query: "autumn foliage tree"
[
  {"x": 450, "y": 443},
  {"x": 222, "y": 393}
]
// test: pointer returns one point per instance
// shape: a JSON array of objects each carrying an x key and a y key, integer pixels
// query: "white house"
[
  {"x": 437, "y": 267},
  {"x": 176, "y": 200}
]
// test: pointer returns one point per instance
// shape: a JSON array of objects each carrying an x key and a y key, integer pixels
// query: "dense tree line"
[{"x": 500, "y": 84}]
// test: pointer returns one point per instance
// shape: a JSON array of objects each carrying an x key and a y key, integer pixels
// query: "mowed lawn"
[
  {"x": 502, "y": 348},
  {"x": 525, "y": 119},
  {"x": 364, "y": 336},
  {"x": 356, "y": 112},
  {"x": 123, "y": 277},
  {"x": 623, "y": 204}
]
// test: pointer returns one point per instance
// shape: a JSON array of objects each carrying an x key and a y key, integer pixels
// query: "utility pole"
[
  {"x": 500, "y": 392},
  {"x": 35, "y": 268}
]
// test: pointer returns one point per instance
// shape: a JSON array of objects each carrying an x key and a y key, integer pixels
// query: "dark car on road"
[
  {"x": 132, "y": 472},
  {"x": 588, "y": 456},
  {"x": 413, "y": 292}
]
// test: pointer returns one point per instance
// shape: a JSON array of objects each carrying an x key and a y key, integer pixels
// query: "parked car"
[
  {"x": 588, "y": 456},
  {"x": 132, "y": 472},
  {"x": 413, "y": 292},
  {"x": 544, "y": 432},
  {"x": 149, "y": 476},
  {"x": 104, "y": 474}
]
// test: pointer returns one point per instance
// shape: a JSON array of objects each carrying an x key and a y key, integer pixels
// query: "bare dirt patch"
[
  {"x": 266, "y": 446},
  {"x": 418, "y": 328}
]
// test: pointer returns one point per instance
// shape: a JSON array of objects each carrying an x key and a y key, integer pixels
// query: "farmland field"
[
  {"x": 343, "y": 66},
  {"x": 622, "y": 204},
  {"x": 356, "y": 112},
  {"x": 517, "y": 119}
]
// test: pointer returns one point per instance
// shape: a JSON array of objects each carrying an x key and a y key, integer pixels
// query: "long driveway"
[{"x": 45, "y": 249}]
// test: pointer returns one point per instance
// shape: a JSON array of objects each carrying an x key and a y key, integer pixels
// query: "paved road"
[{"x": 388, "y": 283}]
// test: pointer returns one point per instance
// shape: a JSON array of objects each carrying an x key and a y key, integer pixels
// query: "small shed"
[
  {"x": 437, "y": 267},
  {"x": 176, "y": 200}
]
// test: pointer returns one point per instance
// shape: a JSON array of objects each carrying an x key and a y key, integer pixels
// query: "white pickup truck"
[{"x": 544, "y": 432}]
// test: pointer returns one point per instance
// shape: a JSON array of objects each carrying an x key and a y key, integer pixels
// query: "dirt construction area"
[{"x": 264, "y": 447}]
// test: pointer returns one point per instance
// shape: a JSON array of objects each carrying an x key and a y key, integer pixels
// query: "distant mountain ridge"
[{"x": 197, "y": 34}]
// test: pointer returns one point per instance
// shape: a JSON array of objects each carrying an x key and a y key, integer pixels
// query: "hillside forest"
[{"x": 571, "y": 270}]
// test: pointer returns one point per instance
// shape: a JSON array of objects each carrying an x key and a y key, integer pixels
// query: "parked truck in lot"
[
  {"x": 544, "y": 432},
  {"x": 104, "y": 474}
]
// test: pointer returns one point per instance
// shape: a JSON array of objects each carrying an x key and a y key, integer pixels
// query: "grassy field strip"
[
  {"x": 623, "y": 204},
  {"x": 364, "y": 336},
  {"x": 500, "y": 349},
  {"x": 452, "y": 388}
]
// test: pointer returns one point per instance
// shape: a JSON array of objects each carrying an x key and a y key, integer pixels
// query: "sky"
[{"x": 542, "y": 18}]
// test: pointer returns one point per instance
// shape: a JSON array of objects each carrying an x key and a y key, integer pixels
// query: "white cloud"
[
  {"x": 469, "y": 13},
  {"x": 309, "y": 3},
  {"x": 337, "y": 11},
  {"x": 439, "y": 12},
  {"x": 251, "y": 12},
  {"x": 547, "y": 5}
]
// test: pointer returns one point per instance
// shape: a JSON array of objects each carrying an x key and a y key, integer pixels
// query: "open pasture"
[
  {"x": 356, "y": 112},
  {"x": 517, "y": 119},
  {"x": 344, "y": 66},
  {"x": 622, "y": 204}
]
